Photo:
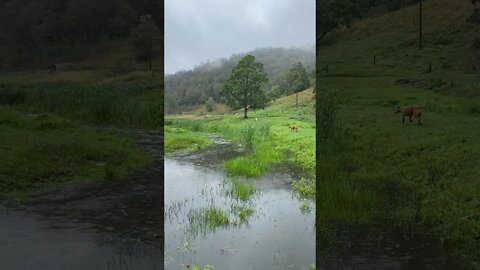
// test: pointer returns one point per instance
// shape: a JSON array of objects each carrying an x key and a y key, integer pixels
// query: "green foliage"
[
  {"x": 210, "y": 104},
  {"x": 298, "y": 78},
  {"x": 274, "y": 93},
  {"x": 243, "y": 87},
  {"x": 185, "y": 89}
]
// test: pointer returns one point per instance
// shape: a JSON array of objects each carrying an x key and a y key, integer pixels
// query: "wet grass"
[
  {"x": 305, "y": 188},
  {"x": 47, "y": 150},
  {"x": 207, "y": 219},
  {"x": 50, "y": 147},
  {"x": 198, "y": 267},
  {"x": 416, "y": 177},
  {"x": 180, "y": 140},
  {"x": 138, "y": 104},
  {"x": 237, "y": 210},
  {"x": 215, "y": 217},
  {"x": 254, "y": 164},
  {"x": 240, "y": 190},
  {"x": 265, "y": 136},
  {"x": 243, "y": 212}
]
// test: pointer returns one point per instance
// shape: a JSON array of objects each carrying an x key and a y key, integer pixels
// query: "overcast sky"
[{"x": 201, "y": 30}]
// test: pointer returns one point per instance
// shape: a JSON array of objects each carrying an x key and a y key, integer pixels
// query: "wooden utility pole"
[
  {"x": 150, "y": 53},
  {"x": 420, "y": 24}
]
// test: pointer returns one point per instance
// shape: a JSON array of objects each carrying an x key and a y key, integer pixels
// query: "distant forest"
[
  {"x": 40, "y": 32},
  {"x": 186, "y": 89},
  {"x": 341, "y": 13}
]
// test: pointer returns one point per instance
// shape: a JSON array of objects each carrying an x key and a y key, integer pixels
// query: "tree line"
[
  {"x": 187, "y": 89},
  {"x": 43, "y": 26},
  {"x": 341, "y": 13}
]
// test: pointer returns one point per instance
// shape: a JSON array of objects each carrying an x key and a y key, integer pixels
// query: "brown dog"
[
  {"x": 293, "y": 127},
  {"x": 410, "y": 111}
]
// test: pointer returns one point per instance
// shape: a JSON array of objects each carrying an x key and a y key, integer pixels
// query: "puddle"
[
  {"x": 116, "y": 225},
  {"x": 276, "y": 236}
]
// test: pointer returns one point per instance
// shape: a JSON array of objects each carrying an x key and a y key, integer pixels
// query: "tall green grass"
[
  {"x": 114, "y": 103},
  {"x": 47, "y": 150}
]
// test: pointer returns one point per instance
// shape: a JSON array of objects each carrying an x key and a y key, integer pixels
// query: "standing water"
[
  {"x": 115, "y": 225},
  {"x": 275, "y": 235}
]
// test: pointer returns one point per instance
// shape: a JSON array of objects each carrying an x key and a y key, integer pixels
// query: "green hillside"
[
  {"x": 418, "y": 178},
  {"x": 186, "y": 89},
  {"x": 393, "y": 39}
]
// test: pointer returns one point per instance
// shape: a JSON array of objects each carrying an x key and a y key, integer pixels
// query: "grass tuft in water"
[
  {"x": 240, "y": 190},
  {"x": 243, "y": 212},
  {"x": 198, "y": 267},
  {"x": 215, "y": 217},
  {"x": 304, "y": 187}
]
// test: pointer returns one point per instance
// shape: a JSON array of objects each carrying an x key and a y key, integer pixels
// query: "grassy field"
[
  {"x": 43, "y": 139},
  {"x": 45, "y": 150},
  {"x": 265, "y": 135},
  {"x": 421, "y": 178},
  {"x": 133, "y": 100}
]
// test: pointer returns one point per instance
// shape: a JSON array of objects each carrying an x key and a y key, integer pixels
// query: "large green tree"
[
  {"x": 244, "y": 86},
  {"x": 298, "y": 79}
]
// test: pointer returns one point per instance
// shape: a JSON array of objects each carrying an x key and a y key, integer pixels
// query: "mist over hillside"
[{"x": 185, "y": 89}]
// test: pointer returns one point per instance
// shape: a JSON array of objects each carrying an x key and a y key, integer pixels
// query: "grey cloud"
[{"x": 201, "y": 30}]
